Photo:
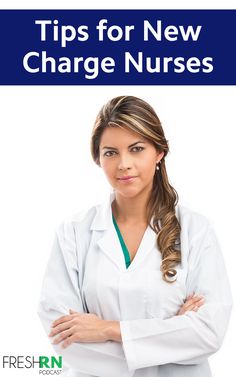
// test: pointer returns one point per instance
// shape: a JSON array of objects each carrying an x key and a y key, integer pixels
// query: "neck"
[{"x": 130, "y": 210}]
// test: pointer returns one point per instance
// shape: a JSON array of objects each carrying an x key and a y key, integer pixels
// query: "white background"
[{"x": 47, "y": 174}]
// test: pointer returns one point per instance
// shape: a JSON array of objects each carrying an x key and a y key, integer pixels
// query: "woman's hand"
[
  {"x": 193, "y": 303},
  {"x": 80, "y": 327}
]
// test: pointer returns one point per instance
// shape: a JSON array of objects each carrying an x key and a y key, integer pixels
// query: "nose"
[{"x": 124, "y": 162}]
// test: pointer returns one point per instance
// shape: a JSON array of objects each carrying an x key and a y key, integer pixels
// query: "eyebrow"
[{"x": 131, "y": 145}]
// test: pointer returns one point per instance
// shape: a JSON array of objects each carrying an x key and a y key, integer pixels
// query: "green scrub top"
[{"x": 122, "y": 242}]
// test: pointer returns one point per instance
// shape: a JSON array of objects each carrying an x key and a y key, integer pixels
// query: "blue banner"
[{"x": 117, "y": 47}]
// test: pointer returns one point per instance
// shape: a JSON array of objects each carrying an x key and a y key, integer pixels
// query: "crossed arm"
[{"x": 83, "y": 327}]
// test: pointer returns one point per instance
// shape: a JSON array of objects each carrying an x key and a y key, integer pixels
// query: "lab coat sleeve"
[
  {"x": 60, "y": 292},
  {"x": 192, "y": 337}
]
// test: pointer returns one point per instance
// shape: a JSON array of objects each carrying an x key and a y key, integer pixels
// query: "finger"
[
  {"x": 195, "y": 306},
  {"x": 190, "y": 305},
  {"x": 200, "y": 303},
  {"x": 192, "y": 297},
  {"x": 62, "y": 319},
  {"x": 197, "y": 297},
  {"x": 189, "y": 297},
  {"x": 71, "y": 339},
  {"x": 59, "y": 328},
  {"x": 193, "y": 300},
  {"x": 73, "y": 312},
  {"x": 63, "y": 335}
]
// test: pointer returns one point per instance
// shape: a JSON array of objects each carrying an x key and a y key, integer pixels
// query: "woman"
[{"x": 135, "y": 286}]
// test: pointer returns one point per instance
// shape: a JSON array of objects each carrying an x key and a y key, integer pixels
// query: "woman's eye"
[
  {"x": 109, "y": 153},
  {"x": 138, "y": 149},
  {"x": 134, "y": 149}
]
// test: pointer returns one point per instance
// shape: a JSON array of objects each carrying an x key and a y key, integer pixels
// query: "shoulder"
[
  {"x": 80, "y": 220},
  {"x": 194, "y": 225}
]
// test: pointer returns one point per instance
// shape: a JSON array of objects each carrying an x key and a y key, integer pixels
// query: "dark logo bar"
[{"x": 117, "y": 47}]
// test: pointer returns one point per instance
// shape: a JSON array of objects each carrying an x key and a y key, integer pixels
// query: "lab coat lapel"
[
  {"x": 110, "y": 245},
  {"x": 108, "y": 242}
]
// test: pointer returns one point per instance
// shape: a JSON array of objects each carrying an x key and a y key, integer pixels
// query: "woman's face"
[{"x": 124, "y": 153}]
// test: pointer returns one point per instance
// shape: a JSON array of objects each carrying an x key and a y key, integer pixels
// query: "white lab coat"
[{"x": 86, "y": 272}]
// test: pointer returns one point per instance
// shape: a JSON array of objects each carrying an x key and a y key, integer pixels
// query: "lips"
[{"x": 126, "y": 177}]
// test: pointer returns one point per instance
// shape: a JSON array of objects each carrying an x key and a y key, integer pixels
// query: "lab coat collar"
[{"x": 104, "y": 213}]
